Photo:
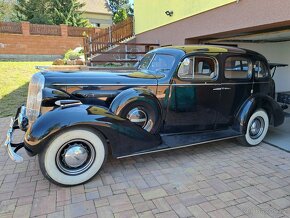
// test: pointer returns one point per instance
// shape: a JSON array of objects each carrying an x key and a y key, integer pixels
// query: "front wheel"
[
  {"x": 73, "y": 157},
  {"x": 257, "y": 128}
]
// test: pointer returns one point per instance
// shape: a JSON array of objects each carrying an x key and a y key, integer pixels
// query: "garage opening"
[{"x": 274, "y": 45}]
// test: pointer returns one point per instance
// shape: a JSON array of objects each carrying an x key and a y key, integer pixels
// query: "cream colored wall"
[
  {"x": 151, "y": 14},
  {"x": 276, "y": 53},
  {"x": 104, "y": 19}
]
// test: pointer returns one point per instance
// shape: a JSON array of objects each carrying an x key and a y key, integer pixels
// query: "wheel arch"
[
  {"x": 131, "y": 95},
  {"x": 272, "y": 108}
]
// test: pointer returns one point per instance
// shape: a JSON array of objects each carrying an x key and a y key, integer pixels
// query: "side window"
[
  {"x": 238, "y": 68},
  {"x": 198, "y": 68},
  {"x": 260, "y": 70}
]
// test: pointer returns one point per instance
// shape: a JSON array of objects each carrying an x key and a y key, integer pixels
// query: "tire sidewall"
[
  {"x": 48, "y": 157},
  {"x": 259, "y": 113}
]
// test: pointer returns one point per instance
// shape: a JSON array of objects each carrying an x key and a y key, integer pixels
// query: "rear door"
[{"x": 236, "y": 87}]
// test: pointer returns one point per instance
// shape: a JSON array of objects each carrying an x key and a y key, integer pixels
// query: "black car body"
[{"x": 177, "y": 97}]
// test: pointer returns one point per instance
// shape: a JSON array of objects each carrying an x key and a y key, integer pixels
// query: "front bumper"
[{"x": 15, "y": 123}]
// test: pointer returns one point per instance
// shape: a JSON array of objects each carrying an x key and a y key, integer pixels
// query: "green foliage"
[
  {"x": 51, "y": 12},
  {"x": 73, "y": 55},
  {"x": 7, "y": 10},
  {"x": 68, "y": 12},
  {"x": 34, "y": 11},
  {"x": 121, "y": 9},
  {"x": 120, "y": 15}
]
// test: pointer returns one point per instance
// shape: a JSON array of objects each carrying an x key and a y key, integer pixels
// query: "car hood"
[{"x": 54, "y": 78}]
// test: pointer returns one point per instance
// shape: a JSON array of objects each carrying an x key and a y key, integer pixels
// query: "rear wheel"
[
  {"x": 257, "y": 128},
  {"x": 73, "y": 157}
]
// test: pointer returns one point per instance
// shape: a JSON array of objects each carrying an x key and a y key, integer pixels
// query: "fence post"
[
  {"x": 63, "y": 30},
  {"x": 25, "y": 26},
  {"x": 91, "y": 47},
  {"x": 110, "y": 34}
]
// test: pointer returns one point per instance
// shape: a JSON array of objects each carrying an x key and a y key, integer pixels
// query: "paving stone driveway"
[{"x": 212, "y": 180}]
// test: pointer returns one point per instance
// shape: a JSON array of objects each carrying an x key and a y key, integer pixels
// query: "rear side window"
[
  {"x": 260, "y": 70},
  {"x": 238, "y": 68},
  {"x": 198, "y": 68}
]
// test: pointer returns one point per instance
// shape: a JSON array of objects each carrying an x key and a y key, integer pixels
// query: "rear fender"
[
  {"x": 124, "y": 137},
  {"x": 273, "y": 109}
]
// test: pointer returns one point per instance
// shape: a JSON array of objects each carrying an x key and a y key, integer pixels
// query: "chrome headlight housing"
[{"x": 34, "y": 97}]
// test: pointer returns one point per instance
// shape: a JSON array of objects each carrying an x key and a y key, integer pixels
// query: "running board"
[{"x": 176, "y": 141}]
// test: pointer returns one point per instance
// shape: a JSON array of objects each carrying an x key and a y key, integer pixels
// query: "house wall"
[
  {"x": 105, "y": 20},
  {"x": 236, "y": 18},
  {"x": 151, "y": 14}
]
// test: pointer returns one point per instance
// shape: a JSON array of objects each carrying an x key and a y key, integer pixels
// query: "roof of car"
[{"x": 208, "y": 48}]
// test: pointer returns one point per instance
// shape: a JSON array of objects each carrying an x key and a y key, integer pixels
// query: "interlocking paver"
[
  {"x": 153, "y": 193},
  {"x": 43, "y": 205},
  {"x": 22, "y": 211},
  {"x": 218, "y": 180},
  {"x": 79, "y": 209}
]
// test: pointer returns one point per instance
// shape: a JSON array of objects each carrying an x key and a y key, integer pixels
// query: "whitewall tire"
[
  {"x": 257, "y": 128},
  {"x": 73, "y": 157}
]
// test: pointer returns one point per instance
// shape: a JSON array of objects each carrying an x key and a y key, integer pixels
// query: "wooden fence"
[
  {"x": 27, "y": 28},
  {"x": 10, "y": 27},
  {"x": 40, "y": 29},
  {"x": 106, "y": 37}
]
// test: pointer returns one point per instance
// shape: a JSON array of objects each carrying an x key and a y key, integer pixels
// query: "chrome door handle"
[
  {"x": 221, "y": 88},
  {"x": 217, "y": 89}
]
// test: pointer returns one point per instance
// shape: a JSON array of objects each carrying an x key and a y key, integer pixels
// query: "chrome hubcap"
[
  {"x": 137, "y": 116},
  {"x": 257, "y": 128},
  {"x": 75, "y": 157}
]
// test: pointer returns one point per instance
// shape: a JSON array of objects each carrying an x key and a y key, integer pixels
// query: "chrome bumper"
[{"x": 10, "y": 146}]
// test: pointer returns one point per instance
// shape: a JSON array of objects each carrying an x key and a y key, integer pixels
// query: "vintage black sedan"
[{"x": 177, "y": 96}]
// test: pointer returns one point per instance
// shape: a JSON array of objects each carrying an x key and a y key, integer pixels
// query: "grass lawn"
[{"x": 14, "y": 79}]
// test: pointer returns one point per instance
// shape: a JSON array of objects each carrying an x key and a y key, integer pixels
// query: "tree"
[
  {"x": 68, "y": 12},
  {"x": 34, "y": 11},
  {"x": 121, "y": 9},
  {"x": 7, "y": 10},
  {"x": 120, "y": 15},
  {"x": 51, "y": 12}
]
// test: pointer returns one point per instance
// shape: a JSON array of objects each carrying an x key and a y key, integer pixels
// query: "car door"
[
  {"x": 194, "y": 95},
  {"x": 237, "y": 85}
]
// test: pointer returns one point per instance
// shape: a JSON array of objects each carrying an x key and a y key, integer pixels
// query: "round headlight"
[{"x": 34, "y": 97}]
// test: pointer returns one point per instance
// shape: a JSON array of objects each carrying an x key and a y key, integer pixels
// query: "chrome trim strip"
[
  {"x": 217, "y": 89},
  {"x": 187, "y": 84},
  {"x": 58, "y": 84},
  {"x": 183, "y": 146},
  {"x": 197, "y": 84}
]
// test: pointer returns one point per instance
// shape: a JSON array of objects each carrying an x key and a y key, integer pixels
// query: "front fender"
[
  {"x": 124, "y": 137},
  {"x": 273, "y": 109},
  {"x": 132, "y": 95}
]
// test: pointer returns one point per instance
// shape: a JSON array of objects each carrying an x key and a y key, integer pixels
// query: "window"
[
  {"x": 162, "y": 63},
  {"x": 96, "y": 24},
  {"x": 146, "y": 60},
  {"x": 238, "y": 68},
  {"x": 260, "y": 70},
  {"x": 198, "y": 68},
  {"x": 157, "y": 62}
]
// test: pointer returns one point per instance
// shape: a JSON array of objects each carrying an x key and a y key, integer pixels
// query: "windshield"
[{"x": 157, "y": 62}]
